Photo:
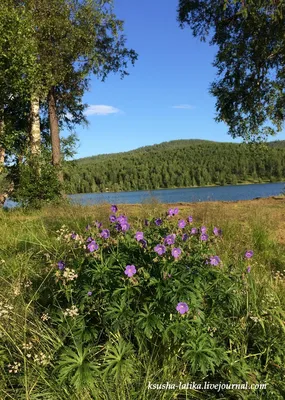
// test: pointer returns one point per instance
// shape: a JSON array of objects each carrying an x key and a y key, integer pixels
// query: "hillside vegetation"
[{"x": 179, "y": 163}]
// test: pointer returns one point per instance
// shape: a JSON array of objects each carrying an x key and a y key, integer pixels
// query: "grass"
[{"x": 29, "y": 241}]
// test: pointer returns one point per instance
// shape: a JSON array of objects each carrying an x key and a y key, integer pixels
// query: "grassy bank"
[{"x": 30, "y": 249}]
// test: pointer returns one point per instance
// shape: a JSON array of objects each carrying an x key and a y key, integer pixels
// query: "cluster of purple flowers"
[
  {"x": 121, "y": 221},
  {"x": 173, "y": 211}
]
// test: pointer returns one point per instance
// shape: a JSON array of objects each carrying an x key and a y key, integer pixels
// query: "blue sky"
[{"x": 164, "y": 98}]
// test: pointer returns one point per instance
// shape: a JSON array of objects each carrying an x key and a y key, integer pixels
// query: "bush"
[
  {"x": 121, "y": 308},
  {"x": 37, "y": 185}
]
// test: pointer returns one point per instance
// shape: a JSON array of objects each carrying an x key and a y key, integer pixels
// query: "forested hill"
[{"x": 179, "y": 163}]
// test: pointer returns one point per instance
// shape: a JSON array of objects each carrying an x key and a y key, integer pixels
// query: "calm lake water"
[
  {"x": 189, "y": 195},
  {"x": 216, "y": 193}
]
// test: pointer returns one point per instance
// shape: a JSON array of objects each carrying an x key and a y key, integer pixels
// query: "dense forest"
[{"x": 179, "y": 163}]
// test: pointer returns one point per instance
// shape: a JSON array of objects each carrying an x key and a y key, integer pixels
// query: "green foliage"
[
  {"x": 104, "y": 329},
  {"x": 128, "y": 333},
  {"x": 249, "y": 36},
  {"x": 181, "y": 163},
  {"x": 74, "y": 367},
  {"x": 33, "y": 189}
]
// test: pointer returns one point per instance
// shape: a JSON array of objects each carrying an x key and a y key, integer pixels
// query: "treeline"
[{"x": 177, "y": 164}]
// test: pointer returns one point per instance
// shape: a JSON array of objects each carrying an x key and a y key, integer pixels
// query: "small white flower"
[
  {"x": 45, "y": 317},
  {"x": 69, "y": 274},
  {"x": 71, "y": 312}
]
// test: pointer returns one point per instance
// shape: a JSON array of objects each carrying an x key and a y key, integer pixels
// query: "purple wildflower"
[
  {"x": 74, "y": 235},
  {"x": 146, "y": 222},
  {"x": 139, "y": 236},
  {"x": 125, "y": 226},
  {"x": 248, "y": 269},
  {"x": 215, "y": 260},
  {"x": 118, "y": 227},
  {"x": 92, "y": 246},
  {"x": 248, "y": 254},
  {"x": 203, "y": 229},
  {"x": 89, "y": 239},
  {"x": 194, "y": 231},
  {"x": 181, "y": 224},
  {"x": 176, "y": 252},
  {"x": 122, "y": 219},
  {"x": 185, "y": 237},
  {"x": 175, "y": 211},
  {"x": 182, "y": 308},
  {"x": 89, "y": 293},
  {"x": 160, "y": 249},
  {"x": 87, "y": 227},
  {"x": 114, "y": 208},
  {"x": 98, "y": 224},
  {"x": 158, "y": 221},
  {"x": 217, "y": 231},
  {"x": 170, "y": 239},
  {"x": 61, "y": 265},
  {"x": 144, "y": 243},
  {"x": 190, "y": 219},
  {"x": 105, "y": 234},
  {"x": 204, "y": 237},
  {"x": 113, "y": 218},
  {"x": 130, "y": 270},
  {"x": 171, "y": 212}
]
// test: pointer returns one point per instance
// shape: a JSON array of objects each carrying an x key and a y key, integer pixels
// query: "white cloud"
[
  {"x": 184, "y": 106},
  {"x": 94, "y": 109}
]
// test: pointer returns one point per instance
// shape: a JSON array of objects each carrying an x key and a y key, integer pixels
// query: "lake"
[{"x": 188, "y": 195}]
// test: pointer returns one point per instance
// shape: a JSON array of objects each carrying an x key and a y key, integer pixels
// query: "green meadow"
[{"x": 90, "y": 331}]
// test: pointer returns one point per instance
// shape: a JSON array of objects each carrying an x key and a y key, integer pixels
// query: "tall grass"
[{"x": 28, "y": 249}]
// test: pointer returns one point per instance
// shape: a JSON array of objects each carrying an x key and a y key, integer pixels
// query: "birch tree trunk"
[
  {"x": 54, "y": 133},
  {"x": 35, "y": 129}
]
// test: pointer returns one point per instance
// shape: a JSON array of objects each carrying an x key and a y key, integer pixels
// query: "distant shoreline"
[{"x": 183, "y": 187}]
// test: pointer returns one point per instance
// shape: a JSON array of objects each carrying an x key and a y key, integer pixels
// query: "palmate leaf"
[
  {"x": 148, "y": 321},
  {"x": 119, "y": 359},
  {"x": 203, "y": 355},
  {"x": 74, "y": 367}
]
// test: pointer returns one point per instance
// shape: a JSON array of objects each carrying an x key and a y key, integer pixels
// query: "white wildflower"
[
  {"x": 69, "y": 274},
  {"x": 45, "y": 317},
  {"x": 5, "y": 310},
  {"x": 71, "y": 312},
  {"x": 14, "y": 368}
]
